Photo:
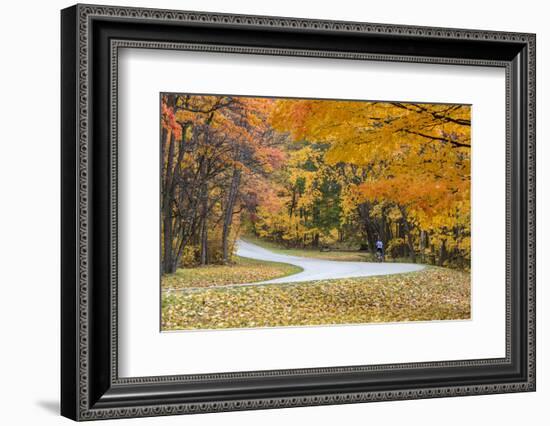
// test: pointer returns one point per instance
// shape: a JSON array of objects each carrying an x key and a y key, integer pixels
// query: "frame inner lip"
[{"x": 116, "y": 44}]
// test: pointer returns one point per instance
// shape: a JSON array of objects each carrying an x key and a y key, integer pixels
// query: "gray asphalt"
[{"x": 318, "y": 269}]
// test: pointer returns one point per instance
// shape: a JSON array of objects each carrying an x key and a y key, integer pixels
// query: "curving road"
[{"x": 319, "y": 269}]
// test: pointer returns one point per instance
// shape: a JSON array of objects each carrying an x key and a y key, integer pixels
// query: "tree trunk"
[
  {"x": 204, "y": 242},
  {"x": 204, "y": 225},
  {"x": 368, "y": 227},
  {"x": 228, "y": 217},
  {"x": 383, "y": 228},
  {"x": 168, "y": 262},
  {"x": 171, "y": 174},
  {"x": 442, "y": 253},
  {"x": 423, "y": 244},
  {"x": 408, "y": 231}
]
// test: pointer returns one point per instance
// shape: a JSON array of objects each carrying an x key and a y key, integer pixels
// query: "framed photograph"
[{"x": 263, "y": 212}]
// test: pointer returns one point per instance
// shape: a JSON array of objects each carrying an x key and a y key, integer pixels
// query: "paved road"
[{"x": 318, "y": 269}]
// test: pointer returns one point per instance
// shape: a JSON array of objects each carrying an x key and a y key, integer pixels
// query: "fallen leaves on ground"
[
  {"x": 344, "y": 256},
  {"x": 242, "y": 271},
  {"x": 430, "y": 294}
]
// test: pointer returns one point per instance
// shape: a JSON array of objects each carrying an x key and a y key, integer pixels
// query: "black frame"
[{"x": 91, "y": 37}]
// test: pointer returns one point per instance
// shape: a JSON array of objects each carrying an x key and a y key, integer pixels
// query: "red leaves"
[{"x": 168, "y": 120}]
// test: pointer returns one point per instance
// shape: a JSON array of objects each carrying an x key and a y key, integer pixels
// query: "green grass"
[
  {"x": 244, "y": 270},
  {"x": 430, "y": 294}
]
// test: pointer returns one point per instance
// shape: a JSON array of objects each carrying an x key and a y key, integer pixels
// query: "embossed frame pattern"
[{"x": 91, "y": 37}]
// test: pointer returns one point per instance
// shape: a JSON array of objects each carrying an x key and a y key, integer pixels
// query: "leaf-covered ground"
[
  {"x": 242, "y": 271},
  {"x": 430, "y": 294},
  {"x": 347, "y": 256}
]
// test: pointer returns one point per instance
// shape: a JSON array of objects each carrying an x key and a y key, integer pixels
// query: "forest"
[
  {"x": 271, "y": 210},
  {"x": 318, "y": 174}
]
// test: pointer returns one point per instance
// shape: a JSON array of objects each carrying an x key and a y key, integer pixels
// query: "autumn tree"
[
  {"x": 413, "y": 157},
  {"x": 309, "y": 173},
  {"x": 208, "y": 142}
]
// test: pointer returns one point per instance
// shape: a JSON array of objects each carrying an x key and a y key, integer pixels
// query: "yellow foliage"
[{"x": 415, "y": 158}]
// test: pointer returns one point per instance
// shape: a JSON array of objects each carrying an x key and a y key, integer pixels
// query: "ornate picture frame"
[{"x": 91, "y": 38}]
